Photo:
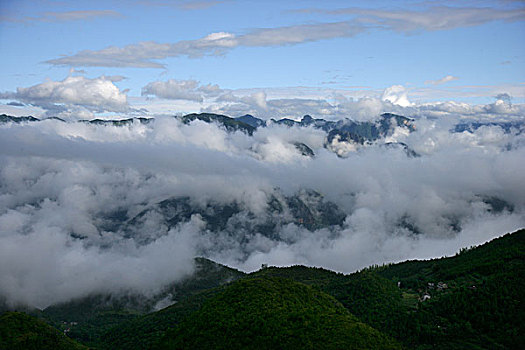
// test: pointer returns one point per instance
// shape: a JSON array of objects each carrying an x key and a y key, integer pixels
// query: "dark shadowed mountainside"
[{"x": 19, "y": 331}]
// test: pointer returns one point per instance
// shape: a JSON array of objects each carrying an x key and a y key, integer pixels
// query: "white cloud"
[
  {"x": 443, "y": 80},
  {"x": 338, "y": 104},
  {"x": 299, "y": 34},
  {"x": 429, "y": 18},
  {"x": 256, "y": 100},
  {"x": 144, "y": 54},
  {"x": 64, "y": 16},
  {"x": 74, "y": 94},
  {"x": 502, "y": 106},
  {"x": 175, "y": 90},
  {"x": 397, "y": 95}
]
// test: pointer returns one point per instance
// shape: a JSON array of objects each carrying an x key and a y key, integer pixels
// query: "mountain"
[
  {"x": 346, "y": 135},
  {"x": 472, "y": 300},
  {"x": 342, "y": 136},
  {"x": 119, "y": 122},
  {"x": 286, "y": 122},
  {"x": 251, "y": 120},
  {"x": 507, "y": 127},
  {"x": 230, "y": 124},
  {"x": 4, "y": 118},
  {"x": 89, "y": 318},
  {"x": 271, "y": 313},
  {"x": 304, "y": 149},
  {"x": 401, "y": 145},
  {"x": 307, "y": 120},
  {"x": 361, "y": 132},
  {"x": 371, "y": 297},
  {"x": 317, "y": 123},
  {"x": 469, "y": 301},
  {"x": 306, "y": 208},
  {"x": 19, "y": 331}
]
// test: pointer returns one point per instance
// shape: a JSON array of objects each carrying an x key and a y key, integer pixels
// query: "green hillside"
[
  {"x": 19, "y": 331},
  {"x": 374, "y": 299},
  {"x": 142, "y": 332},
  {"x": 90, "y": 318},
  {"x": 273, "y": 313},
  {"x": 474, "y": 299}
]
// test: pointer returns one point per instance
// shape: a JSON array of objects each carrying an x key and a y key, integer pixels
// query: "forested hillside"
[
  {"x": 19, "y": 331},
  {"x": 273, "y": 313}
]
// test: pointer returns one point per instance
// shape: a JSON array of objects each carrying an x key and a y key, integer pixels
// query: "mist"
[{"x": 63, "y": 184}]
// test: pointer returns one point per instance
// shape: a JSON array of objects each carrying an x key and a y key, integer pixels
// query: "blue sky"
[{"x": 461, "y": 51}]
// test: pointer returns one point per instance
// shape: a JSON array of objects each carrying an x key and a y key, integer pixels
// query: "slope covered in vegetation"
[
  {"x": 90, "y": 318},
  {"x": 472, "y": 300},
  {"x": 19, "y": 331},
  {"x": 271, "y": 313}
]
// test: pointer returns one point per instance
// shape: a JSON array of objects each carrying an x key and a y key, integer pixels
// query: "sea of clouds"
[{"x": 59, "y": 182}]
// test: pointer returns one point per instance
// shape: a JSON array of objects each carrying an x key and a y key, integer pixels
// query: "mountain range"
[
  {"x": 342, "y": 131},
  {"x": 342, "y": 136}
]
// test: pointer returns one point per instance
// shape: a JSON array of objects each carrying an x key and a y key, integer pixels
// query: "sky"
[{"x": 83, "y": 59}]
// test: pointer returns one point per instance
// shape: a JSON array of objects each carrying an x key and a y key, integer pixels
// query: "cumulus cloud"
[
  {"x": 443, "y": 80},
  {"x": 396, "y": 94},
  {"x": 502, "y": 105},
  {"x": 74, "y": 93},
  {"x": 505, "y": 97}
]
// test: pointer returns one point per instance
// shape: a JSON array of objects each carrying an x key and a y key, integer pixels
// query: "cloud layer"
[{"x": 64, "y": 185}]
